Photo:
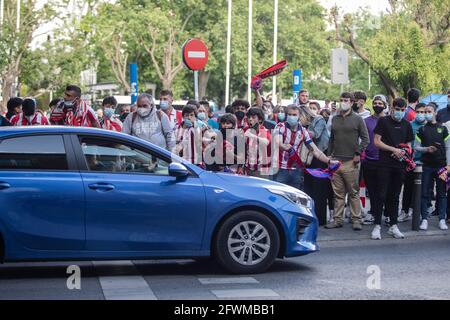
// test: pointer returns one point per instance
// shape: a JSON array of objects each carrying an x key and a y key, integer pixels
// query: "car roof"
[
  {"x": 29, "y": 130},
  {"x": 6, "y": 131}
]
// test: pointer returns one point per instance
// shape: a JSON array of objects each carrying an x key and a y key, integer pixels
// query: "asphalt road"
[{"x": 413, "y": 268}]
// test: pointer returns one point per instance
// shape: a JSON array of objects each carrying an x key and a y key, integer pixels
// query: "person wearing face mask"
[
  {"x": 279, "y": 115},
  {"x": 188, "y": 137},
  {"x": 240, "y": 108},
  {"x": 124, "y": 112},
  {"x": 224, "y": 155},
  {"x": 29, "y": 116},
  {"x": 110, "y": 120},
  {"x": 369, "y": 165},
  {"x": 348, "y": 139},
  {"x": 207, "y": 116},
  {"x": 291, "y": 137},
  {"x": 433, "y": 140},
  {"x": 408, "y": 185},
  {"x": 150, "y": 124},
  {"x": 359, "y": 104},
  {"x": 390, "y": 133},
  {"x": 76, "y": 111},
  {"x": 257, "y": 145},
  {"x": 165, "y": 104},
  {"x": 202, "y": 117}
]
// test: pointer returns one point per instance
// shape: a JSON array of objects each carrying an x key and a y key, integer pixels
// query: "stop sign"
[{"x": 195, "y": 54}]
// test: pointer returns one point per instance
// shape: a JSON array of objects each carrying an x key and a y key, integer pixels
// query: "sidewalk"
[{"x": 347, "y": 233}]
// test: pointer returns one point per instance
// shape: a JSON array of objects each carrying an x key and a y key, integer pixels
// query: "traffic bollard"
[{"x": 417, "y": 197}]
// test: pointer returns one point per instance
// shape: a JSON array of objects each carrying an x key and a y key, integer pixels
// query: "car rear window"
[{"x": 44, "y": 152}]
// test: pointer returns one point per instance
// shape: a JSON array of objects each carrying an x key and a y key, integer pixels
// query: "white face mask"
[
  {"x": 345, "y": 106},
  {"x": 143, "y": 112}
]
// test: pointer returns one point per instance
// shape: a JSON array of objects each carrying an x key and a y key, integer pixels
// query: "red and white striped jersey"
[
  {"x": 21, "y": 120},
  {"x": 84, "y": 117},
  {"x": 257, "y": 156},
  {"x": 113, "y": 124},
  {"x": 295, "y": 139},
  {"x": 189, "y": 144},
  {"x": 175, "y": 118}
]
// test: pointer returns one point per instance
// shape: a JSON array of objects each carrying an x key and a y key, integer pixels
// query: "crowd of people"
[{"x": 344, "y": 143}]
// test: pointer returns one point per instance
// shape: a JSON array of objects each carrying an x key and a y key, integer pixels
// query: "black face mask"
[
  {"x": 378, "y": 109},
  {"x": 123, "y": 116},
  {"x": 240, "y": 115},
  {"x": 355, "y": 107},
  {"x": 255, "y": 126}
]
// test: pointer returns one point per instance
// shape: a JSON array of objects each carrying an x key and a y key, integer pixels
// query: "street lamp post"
[
  {"x": 2, "y": 4},
  {"x": 250, "y": 32},
  {"x": 275, "y": 46},
  {"x": 227, "y": 73}
]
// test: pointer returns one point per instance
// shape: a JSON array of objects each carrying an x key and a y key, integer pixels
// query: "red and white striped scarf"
[
  {"x": 112, "y": 124},
  {"x": 21, "y": 120},
  {"x": 84, "y": 116}
]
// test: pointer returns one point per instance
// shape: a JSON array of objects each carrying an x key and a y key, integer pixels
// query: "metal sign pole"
[{"x": 196, "y": 85}]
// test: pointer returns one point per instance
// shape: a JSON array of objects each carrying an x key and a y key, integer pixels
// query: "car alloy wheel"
[
  {"x": 246, "y": 242},
  {"x": 249, "y": 243}
]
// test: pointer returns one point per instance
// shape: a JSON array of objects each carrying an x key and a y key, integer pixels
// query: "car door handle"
[
  {"x": 4, "y": 185},
  {"x": 102, "y": 186}
]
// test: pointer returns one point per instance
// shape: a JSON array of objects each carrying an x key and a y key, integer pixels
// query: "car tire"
[{"x": 247, "y": 242}]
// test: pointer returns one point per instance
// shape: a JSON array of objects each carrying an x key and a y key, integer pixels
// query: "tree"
[
  {"x": 406, "y": 49},
  {"x": 15, "y": 40}
]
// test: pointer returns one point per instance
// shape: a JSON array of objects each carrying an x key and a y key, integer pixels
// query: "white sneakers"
[
  {"x": 405, "y": 216},
  {"x": 424, "y": 225},
  {"x": 443, "y": 225},
  {"x": 395, "y": 232},
  {"x": 376, "y": 234}
]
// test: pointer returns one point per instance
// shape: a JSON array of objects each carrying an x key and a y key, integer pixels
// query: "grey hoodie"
[{"x": 151, "y": 128}]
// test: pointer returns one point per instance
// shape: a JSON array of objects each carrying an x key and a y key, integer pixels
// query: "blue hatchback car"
[{"x": 89, "y": 194}]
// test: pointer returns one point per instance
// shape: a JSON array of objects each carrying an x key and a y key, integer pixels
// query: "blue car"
[{"x": 70, "y": 193}]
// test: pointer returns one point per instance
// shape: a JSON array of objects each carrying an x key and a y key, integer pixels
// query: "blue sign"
[
  {"x": 134, "y": 82},
  {"x": 297, "y": 83}
]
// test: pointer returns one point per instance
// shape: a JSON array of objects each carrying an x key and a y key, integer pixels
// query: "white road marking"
[
  {"x": 228, "y": 280},
  {"x": 196, "y": 54},
  {"x": 128, "y": 287},
  {"x": 244, "y": 293}
]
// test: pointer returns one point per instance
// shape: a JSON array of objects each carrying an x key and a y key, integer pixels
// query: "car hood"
[{"x": 251, "y": 181}]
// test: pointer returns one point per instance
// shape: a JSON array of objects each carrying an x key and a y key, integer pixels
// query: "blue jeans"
[
  {"x": 428, "y": 175},
  {"x": 293, "y": 178}
]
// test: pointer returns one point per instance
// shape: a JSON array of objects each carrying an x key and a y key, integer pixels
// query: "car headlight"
[{"x": 293, "y": 195}]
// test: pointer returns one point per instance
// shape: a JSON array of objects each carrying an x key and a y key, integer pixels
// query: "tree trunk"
[
  {"x": 167, "y": 83},
  {"x": 203, "y": 78},
  {"x": 7, "y": 86}
]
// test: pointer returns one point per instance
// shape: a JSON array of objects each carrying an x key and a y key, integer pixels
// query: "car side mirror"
[{"x": 178, "y": 170}]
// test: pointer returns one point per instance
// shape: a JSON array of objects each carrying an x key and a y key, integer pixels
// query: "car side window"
[
  {"x": 37, "y": 152},
  {"x": 111, "y": 156}
]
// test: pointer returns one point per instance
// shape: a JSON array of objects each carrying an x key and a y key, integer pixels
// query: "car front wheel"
[{"x": 247, "y": 242}]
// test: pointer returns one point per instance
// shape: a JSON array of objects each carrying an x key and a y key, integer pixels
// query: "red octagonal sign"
[{"x": 195, "y": 54}]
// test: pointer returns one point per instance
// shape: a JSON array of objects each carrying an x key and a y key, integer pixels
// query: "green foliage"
[{"x": 409, "y": 46}]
